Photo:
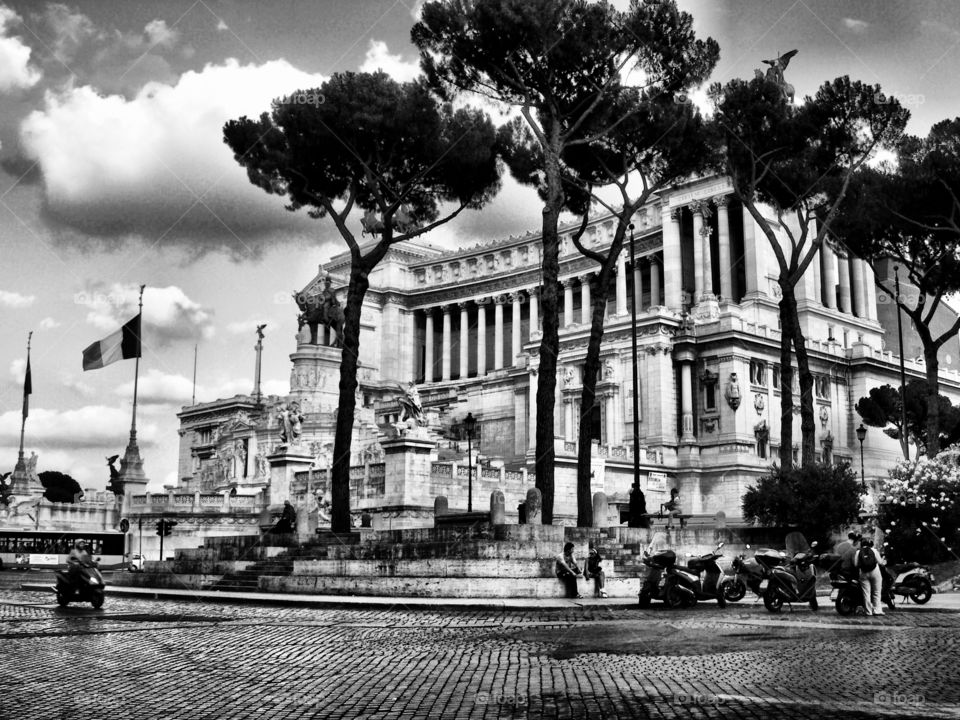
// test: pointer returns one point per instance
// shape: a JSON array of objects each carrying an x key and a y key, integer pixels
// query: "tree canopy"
[
  {"x": 59, "y": 487},
  {"x": 882, "y": 408}
]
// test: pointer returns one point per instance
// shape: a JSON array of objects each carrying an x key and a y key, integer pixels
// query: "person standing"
[
  {"x": 868, "y": 561},
  {"x": 568, "y": 570}
]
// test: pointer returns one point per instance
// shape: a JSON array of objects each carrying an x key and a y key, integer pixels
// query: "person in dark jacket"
[
  {"x": 568, "y": 570},
  {"x": 594, "y": 571},
  {"x": 288, "y": 519}
]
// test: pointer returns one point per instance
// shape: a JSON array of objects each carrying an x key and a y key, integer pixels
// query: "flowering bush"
[{"x": 919, "y": 508}]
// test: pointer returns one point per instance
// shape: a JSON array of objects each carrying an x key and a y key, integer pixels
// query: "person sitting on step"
[
  {"x": 672, "y": 506},
  {"x": 593, "y": 570},
  {"x": 568, "y": 570}
]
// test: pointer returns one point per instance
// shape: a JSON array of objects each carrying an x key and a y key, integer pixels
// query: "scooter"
[
  {"x": 914, "y": 581},
  {"x": 795, "y": 582},
  {"x": 660, "y": 584},
  {"x": 85, "y": 586},
  {"x": 847, "y": 595},
  {"x": 748, "y": 573},
  {"x": 701, "y": 576}
]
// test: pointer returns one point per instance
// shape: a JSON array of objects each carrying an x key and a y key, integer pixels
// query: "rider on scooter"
[{"x": 79, "y": 557}]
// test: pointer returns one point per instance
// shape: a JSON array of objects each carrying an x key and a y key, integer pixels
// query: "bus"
[{"x": 25, "y": 549}]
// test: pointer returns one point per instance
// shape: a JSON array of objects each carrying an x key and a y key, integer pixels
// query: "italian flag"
[{"x": 124, "y": 344}]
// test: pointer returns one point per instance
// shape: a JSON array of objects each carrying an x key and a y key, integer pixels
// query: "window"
[
  {"x": 710, "y": 396},
  {"x": 762, "y": 449},
  {"x": 821, "y": 386},
  {"x": 775, "y": 374},
  {"x": 758, "y": 373}
]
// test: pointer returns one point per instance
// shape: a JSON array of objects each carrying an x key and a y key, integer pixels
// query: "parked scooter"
[
  {"x": 914, "y": 581},
  {"x": 701, "y": 576},
  {"x": 847, "y": 595},
  {"x": 748, "y": 573},
  {"x": 661, "y": 584},
  {"x": 795, "y": 582},
  {"x": 85, "y": 585}
]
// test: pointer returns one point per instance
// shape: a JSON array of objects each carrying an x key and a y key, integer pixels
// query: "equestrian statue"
[{"x": 323, "y": 309}]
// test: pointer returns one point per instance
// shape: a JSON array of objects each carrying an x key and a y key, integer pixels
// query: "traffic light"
[
  {"x": 160, "y": 527},
  {"x": 168, "y": 527}
]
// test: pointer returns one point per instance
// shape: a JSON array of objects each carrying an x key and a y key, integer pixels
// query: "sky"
[{"x": 113, "y": 174}]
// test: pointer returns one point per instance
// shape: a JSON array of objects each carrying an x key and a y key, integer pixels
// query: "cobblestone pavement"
[{"x": 144, "y": 659}]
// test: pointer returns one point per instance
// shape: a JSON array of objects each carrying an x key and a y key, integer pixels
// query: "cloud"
[
  {"x": 156, "y": 387},
  {"x": 158, "y": 33},
  {"x": 48, "y": 323},
  {"x": 156, "y": 164},
  {"x": 248, "y": 326},
  {"x": 378, "y": 57},
  {"x": 68, "y": 30},
  {"x": 15, "y": 69},
  {"x": 90, "y": 426},
  {"x": 18, "y": 368},
  {"x": 221, "y": 25},
  {"x": 78, "y": 386},
  {"x": 168, "y": 313},
  {"x": 855, "y": 25},
  {"x": 15, "y": 299}
]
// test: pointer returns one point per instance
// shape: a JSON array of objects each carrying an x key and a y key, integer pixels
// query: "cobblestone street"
[{"x": 151, "y": 659}]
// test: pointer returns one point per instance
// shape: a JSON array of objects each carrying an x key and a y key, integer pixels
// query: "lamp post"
[
  {"x": 469, "y": 424},
  {"x": 861, "y": 436}
]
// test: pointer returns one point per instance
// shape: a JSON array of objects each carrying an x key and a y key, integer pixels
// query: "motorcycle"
[
  {"x": 660, "y": 584},
  {"x": 794, "y": 582},
  {"x": 85, "y": 584},
  {"x": 701, "y": 576},
  {"x": 914, "y": 581},
  {"x": 748, "y": 573},
  {"x": 847, "y": 595}
]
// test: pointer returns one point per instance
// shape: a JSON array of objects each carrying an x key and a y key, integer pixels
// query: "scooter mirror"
[
  {"x": 720, "y": 545},
  {"x": 813, "y": 544}
]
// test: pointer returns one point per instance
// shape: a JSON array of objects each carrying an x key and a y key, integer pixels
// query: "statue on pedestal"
[
  {"x": 774, "y": 74},
  {"x": 289, "y": 420},
  {"x": 324, "y": 309},
  {"x": 410, "y": 407}
]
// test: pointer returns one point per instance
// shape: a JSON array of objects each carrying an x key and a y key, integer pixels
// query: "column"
[
  {"x": 843, "y": 277},
  {"x": 698, "y": 287},
  {"x": 568, "y": 301},
  {"x": 568, "y": 432},
  {"x": 585, "y": 299},
  {"x": 445, "y": 348},
  {"x": 622, "y": 283},
  {"x": 859, "y": 291},
  {"x": 655, "y": 280},
  {"x": 638, "y": 288},
  {"x": 481, "y": 336},
  {"x": 464, "y": 340},
  {"x": 428, "y": 359},
  {"x": 534, "y": 295},
  {"x": 498, "y": 332},
  {"x": 686, "y": 400},
  {"x": 829, "y": 276},
  {"x": 750, "y": 265},
  {"x": 517, "y": 300},
  {"x": 870, "y": 282},
  {"x": 610, "y": 417},
  {"x": 532, "y": 404},
  {"x": 723, "y": 235},
  {"x": 817, "y": 277},
  {"x": 672, "y": 274}
]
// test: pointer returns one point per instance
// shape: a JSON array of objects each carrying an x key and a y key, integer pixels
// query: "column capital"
[
  {"x": 533, "y": 292},
  {"x": 482, "y": 300},
  {"x": 702, "y": 208},
  {"x": 500, "y": 299},
  {"x": 446, "y": 308},
  {"x": 567, "y": 282},
  {"x": 674, "y": 214},
  {"x": 587, "y": 278},
  {"x": 517, "y": 296},
  {"x": 721, "y": 200},
  {"x": 463, "y": 304}
]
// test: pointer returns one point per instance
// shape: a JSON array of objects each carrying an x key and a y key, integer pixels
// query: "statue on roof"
[{"x": 774, "y": 74}]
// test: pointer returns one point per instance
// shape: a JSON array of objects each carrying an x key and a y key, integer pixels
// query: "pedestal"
[
  {"x": 407, "y": 471},
  {"x": 288, "y": 460}
]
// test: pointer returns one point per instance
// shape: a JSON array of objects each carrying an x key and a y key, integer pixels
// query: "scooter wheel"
[
  {"x": 772, "y": 602},
  {"x": 644, "y": 601},
  {"x": 674, "y": 598},
  {"x": 846, "y": 605},
  {"x": 923, "y": 595},
  {"x": 734, "y": 590},
  {"x": 62, "y": 599},
  {"x": 97, "y": 599}
]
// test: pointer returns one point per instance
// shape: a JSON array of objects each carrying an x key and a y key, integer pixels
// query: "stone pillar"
[
  {"x": 446, "y": 348},
  {"x": 568, "y": 433},
  {"x": 428, "y": 355},
  {"x": 723, "y": 230},
  {"x": 568, "y": 302},
  {"x": 585, "y": 299},
  {"x": 440, "y": 506},
  {"x": 517, "y": 300},
  {"x": 870, "y": 283},
  {"x": 654, "y": 281},
  {"x": 638, "y": 288},
  {"x": 752, "y": 270},
  {"x": 610, "y": 415},
  {"x": 532, "y": 404},
  {"x": 498, "y": 332},
  {"x": 698, "y": 283},
  {"x": 816, "y": 264},
  {"x": 672, "y": 272},
  {"x": 600, "y": 510},
  {"x": 481, "y": 337},
  {"x": 859, "y": 289},
  {"x": 622, "y": 282},
  {"x": 827, "y": 256},
  {"x": 498, "y": 508},
  {"x": 534, "y": 507},
  {"x": 534, "y": 294},
  {"x": 843, "y": 278},
  {"x": 464, "y": 339},
  {"x": 686, "y": 400}
]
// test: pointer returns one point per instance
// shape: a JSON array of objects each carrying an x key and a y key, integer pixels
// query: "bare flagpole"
[
  {"x": 193, "y": 399},
  {"x": 23, "y": 418},
  {"x": 136, "y": 368}
]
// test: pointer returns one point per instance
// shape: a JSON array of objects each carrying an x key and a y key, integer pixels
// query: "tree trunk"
[
  {"x": 591, "y": 368},
  {"x": 550, "y": 340},
  {"x": 808, "y": 426},
  {"x": 340, "y": 475},
  {"x": 932, "y": 364},
  {"x": 786, "y": 383}
]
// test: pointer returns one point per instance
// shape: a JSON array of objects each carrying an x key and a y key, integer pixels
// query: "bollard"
[
  {"x": 600, "y": 511},
  {"x": 440, "y": 506},
  {"x": 534, "y": 506},
  {"x": 498, "y": 508}
]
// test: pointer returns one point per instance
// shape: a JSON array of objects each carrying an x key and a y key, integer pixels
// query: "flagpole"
[
  {"x": 136, "y": 370},
  {"x": 193, "y": 398},
  {"x": 23, "y": 418}
]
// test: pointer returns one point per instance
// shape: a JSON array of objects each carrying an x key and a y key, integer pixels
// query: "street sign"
[{"x": 657, "y": 482}]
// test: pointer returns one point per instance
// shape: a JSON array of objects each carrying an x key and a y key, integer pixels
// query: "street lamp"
[
  {"x": 861, "y": 436},
  {"x": 469, "y": 424}
]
